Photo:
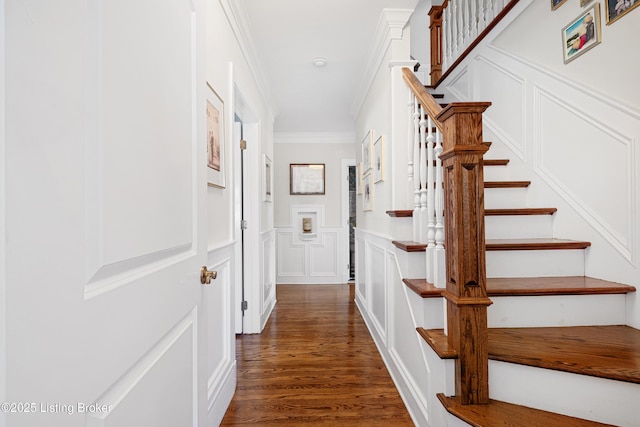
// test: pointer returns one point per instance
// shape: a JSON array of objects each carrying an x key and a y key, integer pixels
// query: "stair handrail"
[{"x": 432, "y": 107}]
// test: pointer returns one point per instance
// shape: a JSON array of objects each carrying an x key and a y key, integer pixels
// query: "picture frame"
[
  {"x": 367, "y": 193},
  {"x": 582, "y": 34},
  {"x": 378, "y": 160},
  {"x": 367, "y": 157},
  {"x": 583, "y": 3},
  {"x": 557, "y": 3},
  {"x": 616, "y": 9},
  {"x": 267, "y": 179},
  {"x": 306, "y": 179},
  {"x": 215, "y": 139}
]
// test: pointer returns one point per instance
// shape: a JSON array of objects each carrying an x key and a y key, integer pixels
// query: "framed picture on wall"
[
  {"x": 267, "y": 179},
  {"x": 306, "y": 179},
  {"x": 378, "y": 160},
  {"x": 616, "y": 9},
  {"x": 367, "y": 157},
  {"x": 215, "y": 139},
  {"x": 556, "y": 4},
  {"x": 582, "y": 34},
  {"x": 367, "y": 193}
]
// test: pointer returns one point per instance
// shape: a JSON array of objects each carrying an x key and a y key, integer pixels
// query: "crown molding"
[
  {"x": 314, "y": 138},
  {"x": 237, "y": 17},
  {"x": 390, "y": 27}
]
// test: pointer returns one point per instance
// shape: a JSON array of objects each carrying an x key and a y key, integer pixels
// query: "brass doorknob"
[{"x": 206, "y": 275}]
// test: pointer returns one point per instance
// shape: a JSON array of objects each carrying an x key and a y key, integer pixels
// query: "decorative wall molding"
[
  {"x": 519, "y": 148},
  {"x": 237, "y": 18},
  {"x": 623, "y": 243},
  {"x": 390, "y": 27}
]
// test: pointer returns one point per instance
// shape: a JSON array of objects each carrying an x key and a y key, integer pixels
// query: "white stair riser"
[
  {"x": 518, "y": 226},
  {"x": 496, "y": 198},
  {"x": 496, "y": 173},
  {"x": 535, "y": 263},
  {"x": 582, "y": 396},
  {"x": 402, "y": 228},
  {"x": 556, "y": 310},
  {"x": 412, "y": 264}
]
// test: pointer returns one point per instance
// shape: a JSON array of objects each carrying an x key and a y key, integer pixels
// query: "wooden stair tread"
[
  {"x": 520, "y": 211},
  {"x": 400, "y": 213},
  {"x": 506, "y": 184},
  {"x": 423, "y": 288},
  {"x": 410, "y": 246},
  {"x": 438, "y": 341},
  {"x": 532, "y": 286},
  {"x": 569, "y": 285},
  {"x": 611, "y": 352},
  {"x": 498, "y": 413},
  {"x": 534, "y": 244},
  {"x": 496, "y": 162}
]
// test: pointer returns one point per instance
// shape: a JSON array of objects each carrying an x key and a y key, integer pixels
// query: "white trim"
[
  {"x": 237, "y": 18},
  {"x": 343, "y": 252},
  {"x": 3, "y": 282},
  {"x": 390, "y": 27},
  {"x": 314, "y": 138}
]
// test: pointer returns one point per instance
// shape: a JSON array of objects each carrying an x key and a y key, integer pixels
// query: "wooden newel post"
[
  {"x": 435, "y": 28},
  {"x": 466, "y": 291}
]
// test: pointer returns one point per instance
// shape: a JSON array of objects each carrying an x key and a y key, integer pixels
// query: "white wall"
[{"x": 323, "y": 258}]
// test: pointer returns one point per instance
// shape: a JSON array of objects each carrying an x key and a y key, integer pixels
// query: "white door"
[{"x": 105, "y": 213}]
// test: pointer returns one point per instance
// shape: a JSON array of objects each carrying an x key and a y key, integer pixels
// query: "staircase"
[{"x": 559, "y": 353}]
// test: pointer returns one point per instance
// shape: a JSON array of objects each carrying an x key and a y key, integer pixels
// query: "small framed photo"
[
  {"x": 267, "y": 179},
  {"x": 557, "y": 3},
  {"x": 582, "y": 34},
  {"x": 616, "y": 9},
  {"x": 378, "y": 160},
  {"x": 367, "y": 193},
  {"x": 306, "y": 179},
  {"x": 215, "y": 139},
  {"x": 367, "y": 158}
]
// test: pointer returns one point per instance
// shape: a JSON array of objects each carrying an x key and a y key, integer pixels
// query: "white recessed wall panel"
[
  {"x": 505, "y": 91},
  {"x": 574, "y": 149},
  {"x": 167, "y": 373},
  {"x": 378, "y": 299},
  {"x": 125, "y": 138},
  {"x": 322, "y": 257},
  {"x": 291, "y": 258}
]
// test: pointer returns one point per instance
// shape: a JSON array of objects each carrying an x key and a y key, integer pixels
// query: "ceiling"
[{"x": 288, "y": 34}]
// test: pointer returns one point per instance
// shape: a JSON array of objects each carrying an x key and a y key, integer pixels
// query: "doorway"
[{"x": 349, "y": 197}]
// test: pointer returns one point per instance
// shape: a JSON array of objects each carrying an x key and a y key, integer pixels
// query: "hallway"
[{"x": 314, "y": 364}]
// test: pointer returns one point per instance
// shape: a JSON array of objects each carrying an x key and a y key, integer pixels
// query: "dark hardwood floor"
[{"x": 314, "y": 364}]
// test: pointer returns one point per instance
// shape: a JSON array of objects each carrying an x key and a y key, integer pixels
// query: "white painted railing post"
[
  {"x": 431, "y": 198},
  {"x": 416, "y": 170},
  {"x": 423, "y": 176},
  {"x": 439, "y": 264}
]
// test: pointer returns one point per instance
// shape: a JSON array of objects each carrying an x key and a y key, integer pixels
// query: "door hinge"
[
  {"x": 243, "y": 144},
  {"x": 243, "y": 224},
  {"x": 244, "y": 305}
]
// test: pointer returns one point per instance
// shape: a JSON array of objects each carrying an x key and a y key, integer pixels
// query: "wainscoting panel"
[
  {"x": 505, "y": 117},
  {"x": 310, "y": 259},
  {"x": 376, "y": 263},
  {"x": 139, "y": 397},
  {"x": 268, "y": 275}
]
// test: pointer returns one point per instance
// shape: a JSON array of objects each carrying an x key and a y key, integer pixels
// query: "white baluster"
[
  {"x": 446, "y": 26},
  {"x": 474, "y": 19},
  {"x": 431, "y": 197},
  {"x": 490, "y": 11},
  {"x": 410, "y": 141},
  {"x": 482, "y": 16},
  {"x": 423, "y": 175},
  {"x": 416, "y": 174},
  {"x": 454, "y": 30},
  {"x": 439, "y": 275}
]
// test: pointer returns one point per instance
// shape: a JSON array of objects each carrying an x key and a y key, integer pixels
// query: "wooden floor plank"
[{"x": 315, "y": 363}]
